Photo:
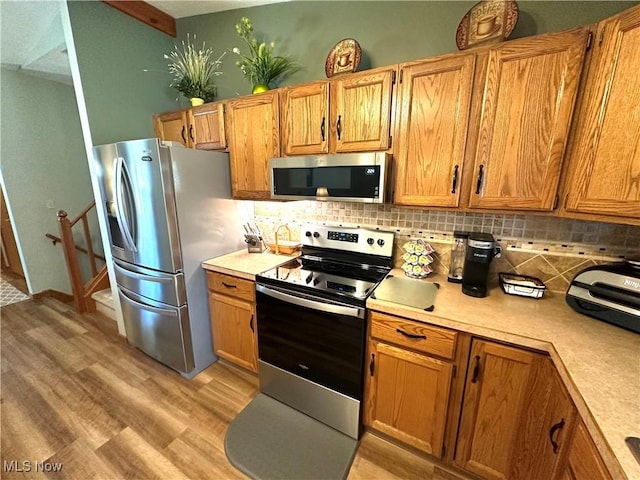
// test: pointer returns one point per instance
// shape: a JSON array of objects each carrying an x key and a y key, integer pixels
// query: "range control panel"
[{"x": 361, "y": 240}]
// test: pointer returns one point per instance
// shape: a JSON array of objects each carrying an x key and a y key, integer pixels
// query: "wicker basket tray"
[{"x": 285, "y": 247}]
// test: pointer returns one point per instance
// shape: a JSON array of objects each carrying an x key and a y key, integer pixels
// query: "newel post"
[{"x": 71, "y": 259}]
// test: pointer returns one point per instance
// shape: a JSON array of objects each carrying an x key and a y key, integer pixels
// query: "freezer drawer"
[
  {"x": 167, "y": 288},
  {"x": 162, "y": 332}
]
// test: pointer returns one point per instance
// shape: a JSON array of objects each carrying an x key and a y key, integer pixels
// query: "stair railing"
[{"x": 100, "y": 280}]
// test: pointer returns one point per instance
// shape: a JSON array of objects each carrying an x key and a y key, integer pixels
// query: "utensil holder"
[{"x": 254, "y": 244}]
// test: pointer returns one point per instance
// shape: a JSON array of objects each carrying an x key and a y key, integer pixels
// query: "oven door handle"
[{"x": 312, "y": 304}]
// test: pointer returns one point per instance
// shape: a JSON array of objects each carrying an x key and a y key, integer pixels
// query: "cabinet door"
[
  {"x": 254, "y": 138},
  {"x": 494, "y": 397},
  {"x": 528, "y": 101},
  {"x": 361, "y": 112},
  {"x": 605, "y": 154},
  {"x": 233, "y": 325},
  {"x": 585, "y": 462},
  {"x": 435, "y": 98},
  {"x": 172, "y": 126},
  {"x": 542, "y": 444},
  {"x": 305, "y": 119},
  {"x": 206, "y": 127},
  {"x": 407, "y": 395}
]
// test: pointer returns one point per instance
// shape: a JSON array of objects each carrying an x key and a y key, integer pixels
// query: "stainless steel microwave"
[{"x": 346, "y": 177}]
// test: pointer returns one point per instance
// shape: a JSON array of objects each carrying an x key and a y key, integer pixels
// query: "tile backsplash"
[{"x": 552, "y": 249}]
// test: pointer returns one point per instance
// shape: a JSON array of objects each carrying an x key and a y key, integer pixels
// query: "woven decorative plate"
[
  {"x": 343, "y": 58},
  {"x": 489, "y": 21}
]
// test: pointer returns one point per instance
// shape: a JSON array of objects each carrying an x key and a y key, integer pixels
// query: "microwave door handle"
[
  {"x": 120, "y": 218},
  {"x": 312, "y": 304}
]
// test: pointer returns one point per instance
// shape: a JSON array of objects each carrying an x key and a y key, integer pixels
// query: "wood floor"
[{"x": 76, "y": 396}]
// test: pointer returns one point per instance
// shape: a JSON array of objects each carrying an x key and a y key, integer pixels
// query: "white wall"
[{"x": 42, "y": 158}]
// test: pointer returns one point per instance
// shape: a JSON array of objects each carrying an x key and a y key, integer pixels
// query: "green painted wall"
[
  {"x": 388, "y": 31},
  {"x": 43, "y": 158},
  {"x": 113, "y": 51}
]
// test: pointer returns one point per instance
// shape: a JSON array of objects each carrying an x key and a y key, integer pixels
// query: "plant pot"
[
  {"x": 196, "y": 101},
  {"x": 260, "y": 88}
]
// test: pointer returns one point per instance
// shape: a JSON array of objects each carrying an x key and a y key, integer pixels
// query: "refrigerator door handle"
[
  {"x": 119, "y": 171},
  {"x": 140, "y": 276},
  {"x": 161, "y": 311}
]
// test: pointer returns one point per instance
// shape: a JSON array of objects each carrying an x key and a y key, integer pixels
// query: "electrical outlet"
[{"x": 51, "y": 204}]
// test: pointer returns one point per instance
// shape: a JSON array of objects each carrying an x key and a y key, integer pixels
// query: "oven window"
[
  {"x": 345, "y": 181},
  {"x": 326, "y": 348}
]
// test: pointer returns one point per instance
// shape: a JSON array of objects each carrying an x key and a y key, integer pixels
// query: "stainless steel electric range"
[{"x": 312, "y": 322}]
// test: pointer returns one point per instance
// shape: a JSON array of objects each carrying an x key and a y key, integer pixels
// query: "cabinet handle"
[
  {"x": 552, "y": 431},
  {"x": 410, "y": 335},
  {"x": 322, "y": 128},
  {"x": 339, "y": 126},
  {"x": 476, "y": 370},
  {"x": 454, "y": 184},
  {"x": 191, "y": 133},
  {"x": 228, "y": 285},
  {"x": 184, "y": 139},
  {"x": 251, "y": 323},
  {"x": 480, "y": 177},
  {"x": 372, "y": 364}
]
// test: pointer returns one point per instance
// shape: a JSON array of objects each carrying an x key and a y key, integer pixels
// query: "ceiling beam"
[{"x": 147, "y": 14}]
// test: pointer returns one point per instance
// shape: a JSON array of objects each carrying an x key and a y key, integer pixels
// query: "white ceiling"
[
  {"x": 183, "y": 8},
  {"x": 32, "y": 39}
]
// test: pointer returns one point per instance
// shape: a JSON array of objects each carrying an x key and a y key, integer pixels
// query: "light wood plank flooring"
[{"x": 75, "y": 393}]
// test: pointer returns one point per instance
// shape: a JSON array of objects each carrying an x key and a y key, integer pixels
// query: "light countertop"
[
  {"x": 245, "y": 265},
  {"x": 599, "y": 363}
]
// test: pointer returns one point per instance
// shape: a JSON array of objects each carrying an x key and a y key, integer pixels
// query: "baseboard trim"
[{"x": 63, "y": 297}]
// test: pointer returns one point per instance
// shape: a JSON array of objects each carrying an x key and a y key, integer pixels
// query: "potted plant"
[
  {"x": 194, "y": 70},
  {"x": 261, "y": 67}
]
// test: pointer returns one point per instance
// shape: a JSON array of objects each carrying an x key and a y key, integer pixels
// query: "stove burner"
[{"x": 333, "y": 269}]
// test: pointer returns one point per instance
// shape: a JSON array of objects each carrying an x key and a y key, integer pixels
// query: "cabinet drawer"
[
  {"x": 232, "y": 286},
  {"x": 415, "y": 335}
]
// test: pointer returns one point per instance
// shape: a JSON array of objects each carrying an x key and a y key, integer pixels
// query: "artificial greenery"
[
  {"x": 261, "y": 66},
  {"x": 194, "y": 70}
]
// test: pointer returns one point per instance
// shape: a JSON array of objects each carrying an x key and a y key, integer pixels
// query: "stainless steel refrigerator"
[{"x": 167, "y": 208}]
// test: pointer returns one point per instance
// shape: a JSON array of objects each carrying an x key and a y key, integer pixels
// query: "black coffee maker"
[{"x": 481, "y": 249}]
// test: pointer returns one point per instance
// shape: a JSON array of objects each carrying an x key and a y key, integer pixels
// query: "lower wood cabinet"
[
  {"x": 585, "y": 462},
  {"x": 494, "y": 410},
  {"x": 233, "y": 319},
  {"x": 407, "y": 389},
  {"x": 516, "y": 415}
]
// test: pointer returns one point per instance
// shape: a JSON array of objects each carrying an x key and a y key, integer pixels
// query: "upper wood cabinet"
[
  {"x": 198, "y": 127},
  {"x": 434, "y": 103},
  {"x": 604, "y": 159},
  {"x": 305, "y": 119},
  {"x": 253, "y": 137},
  {"x": 527, "y": 105},
  {"x": 347, "y": 114},
  {"x": 206, "y": 127},
  {"x": 172, "y": 126},
  {"x": 516, "y": 417}
]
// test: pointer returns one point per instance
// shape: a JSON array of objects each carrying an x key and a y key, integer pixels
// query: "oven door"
[{"x": 313, "y": 338}]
